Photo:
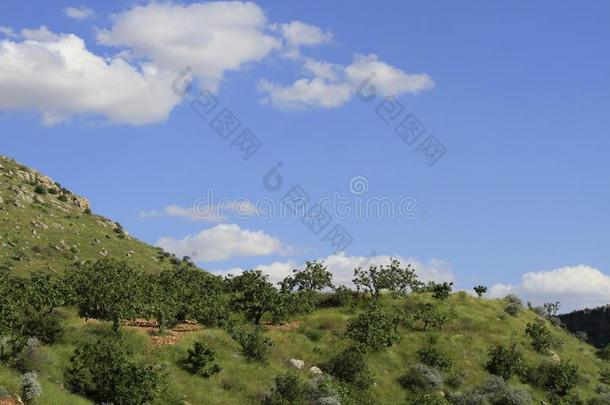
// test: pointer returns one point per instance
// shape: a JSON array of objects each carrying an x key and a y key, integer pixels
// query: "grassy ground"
[{"x": 476, "y": 324}]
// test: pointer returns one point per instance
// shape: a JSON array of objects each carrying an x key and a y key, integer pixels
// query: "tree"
[
  {"x": 160, "y": 297},
  {"x": 315, "y": 277},
  {"x": 392, "y": 277},
  {"x": 202, "y": 296},
  {"x": 103, "y": 372},
  {"x": 558, "y": 378},
  {"x": 429, "y": 315},
  {"x": 106, "y": 289},
  {"x": 201, "y": 360},
  {"x": 542, "y": 338},
  {"x": 440, "y": 291},
  {"x": 505, "y": 361},
  {"x": 480, "y": 290},
  {"x": 254, "y": 294},
  {"x": 551, "y": 309},
  {"x": 374, "y": 328}
]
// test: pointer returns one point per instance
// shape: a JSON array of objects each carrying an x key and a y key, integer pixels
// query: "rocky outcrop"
[{"x": 594, "y": 322}]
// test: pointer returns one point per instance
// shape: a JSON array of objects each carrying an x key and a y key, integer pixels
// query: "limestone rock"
[{"x": 296, "y": 363}]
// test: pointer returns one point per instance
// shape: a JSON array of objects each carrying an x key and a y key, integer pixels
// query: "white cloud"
[
  {"x": 298, "y": 33},
  {"x": 8, "y": 32},
  {"x": 224, "y": 242},
  {"x": 574, "y": 286},
  {"x": 333, "y": 85},
  {"x": 56, "y": 75},
  {"x": 79, "y": 13},
  {"x": 342, "y": 267},
  {"x": 211, "y": 38},
  {"x": 202, "y": 211}
]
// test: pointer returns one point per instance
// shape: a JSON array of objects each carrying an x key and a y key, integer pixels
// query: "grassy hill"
[
  {"x": 476, "y": 324},
  {"x": 45, "y": 227}
]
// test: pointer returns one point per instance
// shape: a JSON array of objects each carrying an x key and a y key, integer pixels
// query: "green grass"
[{"x": 476, "y": 325}]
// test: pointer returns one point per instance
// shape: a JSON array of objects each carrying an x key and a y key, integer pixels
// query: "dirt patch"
[
  {"x": 169, "y": 337},
  {"x": 286, "y": 327},
  {"x": 10, "y": 401}
]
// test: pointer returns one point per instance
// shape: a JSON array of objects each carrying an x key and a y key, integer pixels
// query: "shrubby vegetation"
[
  {"x": 374, "y": 328},
  {"x": 201, "y": 360},
  {"x": 505, "y": 362},
  {"x": 542, "y": 338},
  {"x": 393, "y": 277},
  {"x": 287, "y": 389}
]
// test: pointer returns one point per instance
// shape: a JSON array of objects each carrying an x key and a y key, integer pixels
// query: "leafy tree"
[
  {"x": 542, "y": 338},
  {"x": 315, "y": 277},
  {"x": 392, "y": 277},
  {"x": 201, "y": 360},
  {"x": 201, "y": 295},
  {"x": 480, "y": 290},
  {"x": 288, "y": 389},
  {"x": 551, "y": 309},
  {"x": 160, "y": 297},
  {"x": 374, "y": 328},
  {"x": 440, "y": 291},
  {"x": 254, "y": 294},
  {"x": 505, "y": 361},
  {"x": 106, "y": 289},
  {"x": 103, "y": 372},
  {"x": 430, "y": 316},
  {"x": 350, "y": 366}
]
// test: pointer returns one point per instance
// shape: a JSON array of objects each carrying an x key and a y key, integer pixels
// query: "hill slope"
[{"x": 44, "y": 226}]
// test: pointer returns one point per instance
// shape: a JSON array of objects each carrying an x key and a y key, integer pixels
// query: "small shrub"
[
  {"x": 63, "y": 198},
  {"x": 323, "y": 390},
  {"x": 29, "y": 358},
  {"x": 422, "y": 378},
  {"x": 430, "y": 316},
  {"x": 30, "y": 387},
  {"x": 455, "y": 379},
  {"x": 441, "y": 291},
  {"x": 350, "y": 366},
  {"x": 604, "y": 353},
  {"x": 557, "y": 378},
  {"x": 604, "y": 376},
  {"x": 201, "y": 360},
  {"x": 288, "y": 389},
  {"x": 542, "y": 338},
  {"x": 513, "y": 304},
  {"x": 426, "y": 398},
  {"x": 505, "y": 362},
  {"x": 254, "y": 344},
  {"x": 46, "y": 328},
  {"x": 480, "y": 290},
  {"x": 341, "y": 297},
  {"x": 497, "y": 391},
  {"x": 432, "y": 357},
  {"x": 40, "y": 189}
]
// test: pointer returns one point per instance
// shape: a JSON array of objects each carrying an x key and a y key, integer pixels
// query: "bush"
[
  {"x": 341, "y": 297},
  {"x": 429, "y": 315},
  {"x": 513, "y": 304},
  {"x": 440, "y": 291},
  {"x": 604, "y": 353},
  {"x": 426, "y": 398},
  {"x": 494, "y": 391},
  {"x": 350, "y": 366},
  {"x": 30, "y": 387},
  {"x": 374, "y": 328},
  {"x": 254, "y": 344},
  {"x": 40, "y": 189},
  {"x": 201, "y": 360},
  {"x": 432, "y": 357},
  {"x": 29, "y": 358},
  {"x": 45, "y": 327},
  {"x": 323, "y": 390},
  {"x": 557, "y": 378},
  {"x": 102, "y": 372},
  {"x": 604, "y": 376},
  {"x": 542, "y": 339},
  {"x": 480, "y": 290},
  {"x": 422, "y": 378},
  {"x": 505, "y": 362},
  {"x": 288, "y": 389}
]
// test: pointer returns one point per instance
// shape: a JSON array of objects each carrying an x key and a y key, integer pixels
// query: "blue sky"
[{"x": 518, "y": 95}]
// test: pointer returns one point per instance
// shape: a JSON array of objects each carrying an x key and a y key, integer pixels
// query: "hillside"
[
  {"x": 594, "y": 322},
  {"x": 45, "y": 227}
]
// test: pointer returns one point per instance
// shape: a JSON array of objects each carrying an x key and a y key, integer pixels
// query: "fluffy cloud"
[
  {"x": 79, "y": 13},
  {"x": 224, "y": 242},
  {"x": 211, "y": 38},
  {"x": 575, "y": 287},
  {"x": 333, "y": 85},
  {"x": 56, "y": 75},
  {"x": 342, "y": 267},
  {"x": 298, "y": 33}
]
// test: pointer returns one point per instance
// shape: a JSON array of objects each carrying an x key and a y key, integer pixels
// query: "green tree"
[
  {"x": 201, "y": 295},
  {"x": 253, "y": 294},
  {"x": 440, "y": 291},
  {"x": 558, "y": 378},
  {"x": 315, "y": 277},
  {"x": 429, "y": 315},
  {"x": 480, "y": 290},
  {"x": 106, "y": 289},
  {"x": 374, "y": 328},
  {"x": 392, "y": 277},
  {"x": 350, "y": 366},
  {"x": 505, "y": 361},
  {"x": 160, "y": 297}
]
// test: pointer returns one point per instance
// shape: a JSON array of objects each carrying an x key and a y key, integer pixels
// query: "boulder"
[
  {"x": 296, "y": 363},
  {"x": 313, "y": 370}
]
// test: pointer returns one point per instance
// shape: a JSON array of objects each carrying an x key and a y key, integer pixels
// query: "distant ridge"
[{"x": 594, "y": 322}]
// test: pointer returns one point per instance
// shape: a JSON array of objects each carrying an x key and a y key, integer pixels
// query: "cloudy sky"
[{"x": 470, "y": 141}]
